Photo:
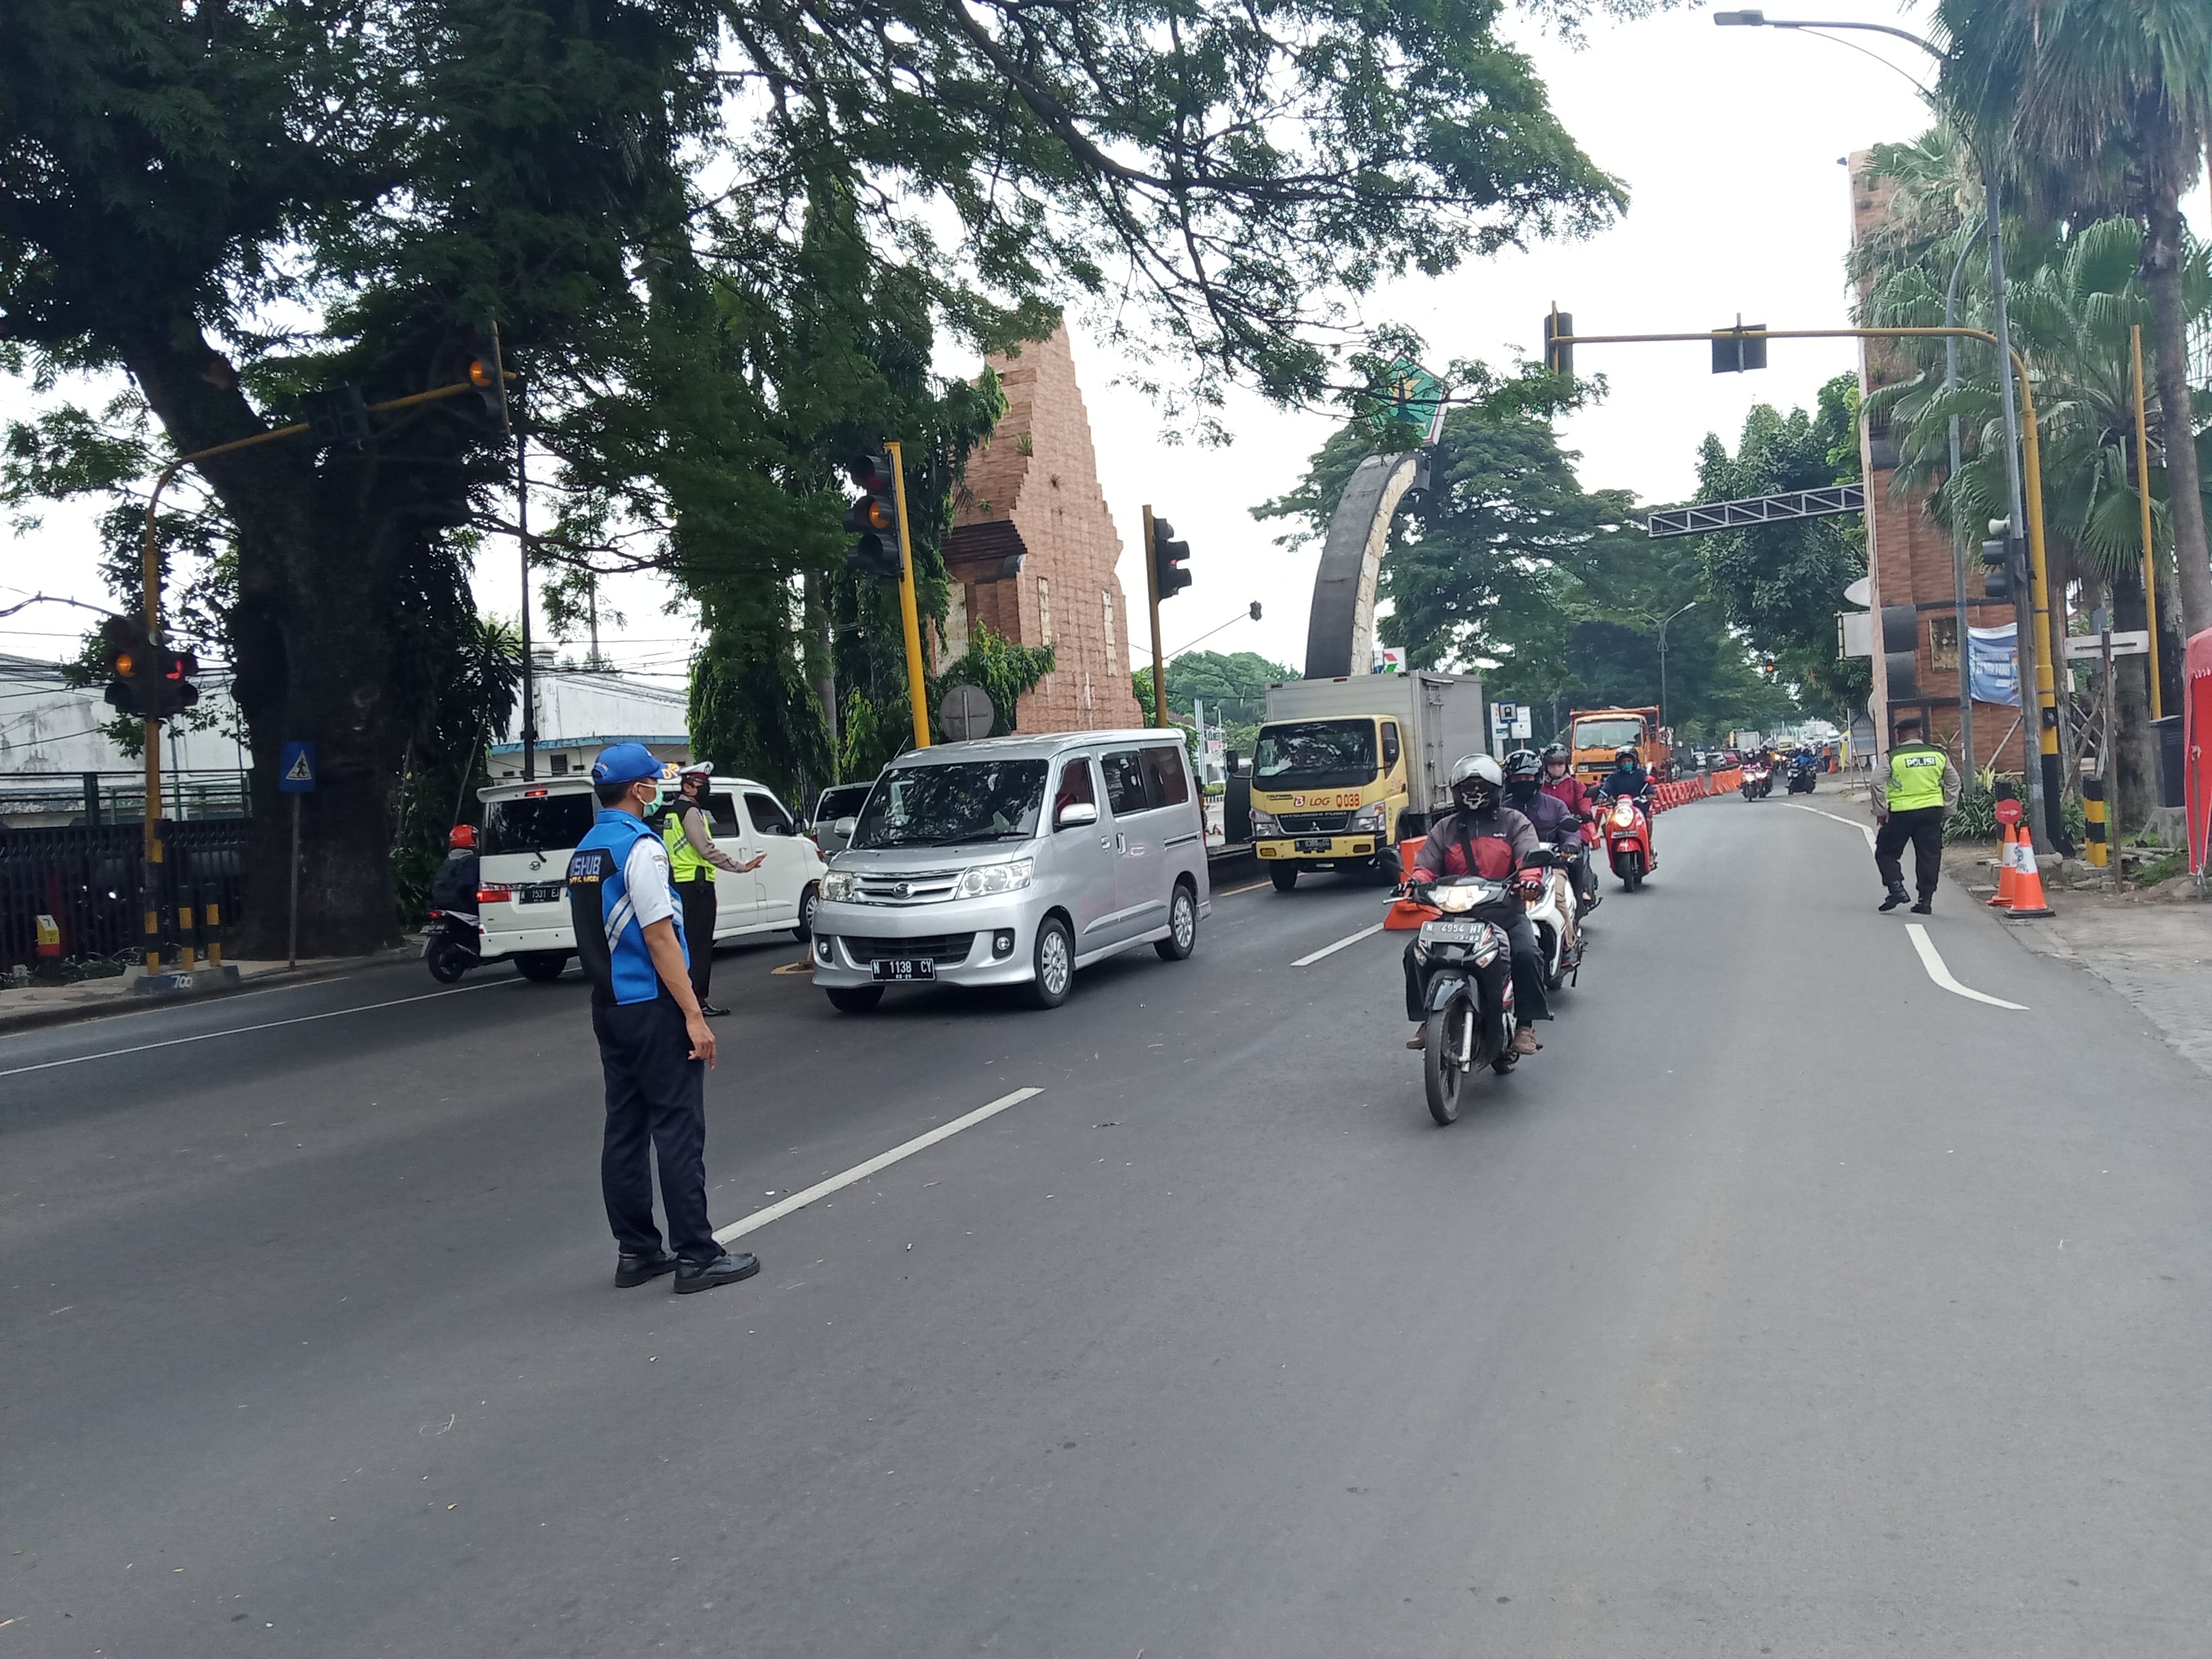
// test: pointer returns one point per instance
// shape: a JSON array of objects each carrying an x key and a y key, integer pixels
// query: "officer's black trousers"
[
  {"x": 1923, "y": 828},
  {"x": 656, "y": 1100},
  {"x": 699, "y": 903}
]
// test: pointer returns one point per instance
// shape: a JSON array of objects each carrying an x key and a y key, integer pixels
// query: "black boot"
[
  {"x": 634, "y": 1270},
  {"x": 1897, "y": 896},
  {"x": 726, "y": 1269},
  {"x": 1926, "y": 907}
]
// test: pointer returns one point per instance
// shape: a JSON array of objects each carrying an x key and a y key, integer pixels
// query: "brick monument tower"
[
  {"x": 1032, "y": 489},
  {"x": 1917, "y": 652}
]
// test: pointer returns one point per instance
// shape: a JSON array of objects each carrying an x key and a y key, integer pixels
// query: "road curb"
[{"x": 33, "y": 1019}]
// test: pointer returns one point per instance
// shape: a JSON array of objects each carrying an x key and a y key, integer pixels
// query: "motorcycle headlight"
[
  {"x": 1624, "y": 814},
  {"x": 1264, "y": 823},
  {"x": 1368, "y": 820},
  {"x": 981, "y": 880},
  {"x": 837, "y": 885}
]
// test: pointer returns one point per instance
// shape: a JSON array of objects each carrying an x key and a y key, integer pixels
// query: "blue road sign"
[{"x": 296, "y": 773}]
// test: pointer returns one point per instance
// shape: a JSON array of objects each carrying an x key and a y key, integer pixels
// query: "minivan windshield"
[
  {"x": 842, "y": 802},
  {"x": 538, "y": 823},
  {"x": 1313, "y": 754},
  {"x": 1620, "y": 731},
  {"x": 942, "y": 805}
]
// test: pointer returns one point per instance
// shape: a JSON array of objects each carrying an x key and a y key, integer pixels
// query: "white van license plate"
[
  {"x": 542, "y": 892},
  {"x": 1315, "y": 844},
  {"x": 902, "y": 968}
]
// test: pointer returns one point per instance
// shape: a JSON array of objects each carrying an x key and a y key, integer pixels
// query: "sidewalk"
[
  {"x": 2153, "y": 946},
  {"x": 39, "y": 1006}
]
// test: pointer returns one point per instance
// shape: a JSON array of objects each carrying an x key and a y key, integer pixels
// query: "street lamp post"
[
  {"x": 2043, "y": 779},
  {"x": 1663, "y": 621}
]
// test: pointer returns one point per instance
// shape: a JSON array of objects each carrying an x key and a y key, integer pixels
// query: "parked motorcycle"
[
  {"x": 1547, "y": 914},
  {"x": 451, "y": 943},
  {"x": 1801, "y": 770},
  {"x": 1628, "y": 843},
  {"x": 1466, "y": 965},
  {"x": 1757, "y": 782}
]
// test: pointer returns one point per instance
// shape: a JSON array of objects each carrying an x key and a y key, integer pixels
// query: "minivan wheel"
[
  {"x": 1053, "y": 962},
  {"x": 1182, "y": 926},
  {"x": 1284, "y": 876},
  {"x": 544, "y": 966},
  {"x": 853, "y": 999},
  {"x": 805, "y": 931}
]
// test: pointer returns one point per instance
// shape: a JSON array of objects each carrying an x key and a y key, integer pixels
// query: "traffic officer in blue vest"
[
  {"x": 655, "y": 1046},
  {"x": 1912, "y": 795}
]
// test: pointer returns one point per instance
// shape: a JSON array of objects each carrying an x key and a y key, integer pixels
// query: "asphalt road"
[{"x": 1787, "y": 1303}]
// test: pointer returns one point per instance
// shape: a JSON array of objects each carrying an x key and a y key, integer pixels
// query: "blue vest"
[{"x": 609, "y": 941}]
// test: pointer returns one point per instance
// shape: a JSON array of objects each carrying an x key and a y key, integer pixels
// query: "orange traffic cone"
[
  {"x": 2006, "y": 881},
  {"x": 2028, "y": 886}
]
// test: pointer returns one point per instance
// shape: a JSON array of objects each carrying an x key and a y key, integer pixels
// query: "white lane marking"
[
  {"x": 1941, "y": 975},
  {"x": 265, "y": 1025},
  {"x": 760, "y": 1218},
  {"x": 1853, "y": 824},
  {"x": 1331, "y": 949}
]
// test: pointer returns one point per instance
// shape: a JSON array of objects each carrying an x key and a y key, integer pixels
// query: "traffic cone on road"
[
  {"x": 2028, "y": 886},
  {"x": 2006, "y": 881}
]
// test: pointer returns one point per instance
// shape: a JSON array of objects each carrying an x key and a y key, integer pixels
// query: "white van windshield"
[{"x": 943, "y": 806}]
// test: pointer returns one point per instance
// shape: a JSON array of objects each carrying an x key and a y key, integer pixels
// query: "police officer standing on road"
[
  {"x": 1912, "y": 796},
  {"x": 655, "y": 1046},
  {"x": 694, "y": 858}
]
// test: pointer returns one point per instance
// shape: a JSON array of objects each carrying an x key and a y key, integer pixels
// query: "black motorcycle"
[
  {"x": 1802, "y": 770},
  {"x": 452, "y": 945},
  {"x": 1465, "y": 962}
]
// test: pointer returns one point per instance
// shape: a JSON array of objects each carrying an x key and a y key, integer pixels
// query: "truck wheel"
[
  {"x": 1386, "y": 866},
  {"x": 1284, "y": 876},
  {"x": 544, "y": 966}
]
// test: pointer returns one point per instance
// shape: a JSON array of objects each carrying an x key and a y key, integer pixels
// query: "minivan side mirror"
[
  {"x": 842, "y": 828},
  {"x": 1075, "y": 815}
]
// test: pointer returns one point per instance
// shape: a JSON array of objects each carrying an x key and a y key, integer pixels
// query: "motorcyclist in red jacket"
[
  {"x": 1561, "y": 784},
  {"x": 1483, "y": 836}
]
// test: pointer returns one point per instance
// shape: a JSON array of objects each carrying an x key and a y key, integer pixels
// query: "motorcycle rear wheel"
[
  {"x": 1631, "y": 875},
  {"x": 1442, "y": 1076},
  {"x": 446, "y": 961}
]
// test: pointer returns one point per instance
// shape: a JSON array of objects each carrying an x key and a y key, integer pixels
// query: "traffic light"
[
  {"x": 1168, "y": 577},
  {"x": 1996, "y": 569},
  {"x": 337, "y": 415},
  {"x": 874, "y": 518},
  {"x": 130, "y": 666},
  {"x": 1558, "y": 343},
  {"x": 1736, "y": 351},
  {"x": 173, "y": 691},
  {"x": 487, "y": 374}
]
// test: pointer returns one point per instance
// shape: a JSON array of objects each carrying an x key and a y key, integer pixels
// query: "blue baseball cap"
[{"x": 625, "y": 763}]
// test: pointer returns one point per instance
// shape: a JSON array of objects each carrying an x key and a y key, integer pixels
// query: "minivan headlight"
[
  {"x": 837, "y": 886},
  {"x": 981, "y": 880}
]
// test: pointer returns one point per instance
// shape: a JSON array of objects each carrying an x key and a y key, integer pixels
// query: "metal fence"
[
  {"x": 32, "y": 799},
  {"x": 87, "y": 877}
]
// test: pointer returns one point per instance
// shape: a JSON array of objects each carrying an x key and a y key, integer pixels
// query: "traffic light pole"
[
  {"x": 2035, "y": 648},
  {"x": 150, "y": 579},
  {"x": 917, "y": 688},
  {"x": 1152, "y": 604}
]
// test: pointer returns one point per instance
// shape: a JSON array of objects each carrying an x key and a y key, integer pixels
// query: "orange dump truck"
[{"x": 1594, "y": 734}]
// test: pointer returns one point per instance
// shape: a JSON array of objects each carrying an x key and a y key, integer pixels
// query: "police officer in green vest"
[
  {"x": 1912, "y": 794},
  {"x": 693, "y": 858}
]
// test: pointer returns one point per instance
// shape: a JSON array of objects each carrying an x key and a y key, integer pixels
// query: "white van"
[{"x": 530, "y": 829}]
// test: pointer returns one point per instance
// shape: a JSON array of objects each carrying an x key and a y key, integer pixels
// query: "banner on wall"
[{"x": 1993, "y": 663}]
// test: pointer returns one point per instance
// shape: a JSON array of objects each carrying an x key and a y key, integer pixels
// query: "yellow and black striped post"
[
  {"x": 211, "y": 920},
  {"x": 2092, "y": 809}
]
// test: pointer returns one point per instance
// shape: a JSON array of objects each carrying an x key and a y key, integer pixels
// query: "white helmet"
[{"x": 1477, "y": 776}]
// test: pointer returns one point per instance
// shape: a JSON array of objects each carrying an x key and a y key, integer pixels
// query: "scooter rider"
[
  {"x": 453, "y": 887},
  {"x": 1485, "y": 837},
  {"x": 1628, "y": 780},
  {"x": 1561, "y": 784},
  {"x": 1553, "y": 822}
]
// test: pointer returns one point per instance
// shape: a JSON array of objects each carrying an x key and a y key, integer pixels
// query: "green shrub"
[{"x": 1975, "y": 818}]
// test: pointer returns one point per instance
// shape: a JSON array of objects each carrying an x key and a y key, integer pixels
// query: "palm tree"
[{"x": 2107, "y": 105}]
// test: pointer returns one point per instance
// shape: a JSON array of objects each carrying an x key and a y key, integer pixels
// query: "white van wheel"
[
  {"x": 805, "y": 931},
  {"x": 1182, "y": 926}
]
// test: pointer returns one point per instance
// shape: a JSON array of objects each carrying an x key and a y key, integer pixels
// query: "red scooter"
[{"x": 1627, "y": 841}]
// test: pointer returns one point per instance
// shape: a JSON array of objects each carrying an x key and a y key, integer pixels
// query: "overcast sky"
[{"x": 1728, "y": 141}]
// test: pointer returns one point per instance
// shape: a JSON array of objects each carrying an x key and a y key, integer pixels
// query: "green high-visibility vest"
[
  {"x": 1916, "y": 777},
  {"x": 683, "y": 864}
]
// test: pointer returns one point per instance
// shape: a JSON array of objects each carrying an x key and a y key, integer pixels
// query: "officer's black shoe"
[
  {"x": 1925, "y": 908},
  {"x": 1897, "y": 896},
  {"x": 711, "y": 1011},
  {"x": 726, "y": 1269},
  {"x": 633, "y": 1270}
]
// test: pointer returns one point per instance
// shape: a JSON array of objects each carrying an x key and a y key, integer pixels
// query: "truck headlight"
[
  {"x": 981, "y": 880},
  {"x": 1368, "y": 820},
  {"x": 837, "y": 886},
  {"x": 1264, "y": 823}
]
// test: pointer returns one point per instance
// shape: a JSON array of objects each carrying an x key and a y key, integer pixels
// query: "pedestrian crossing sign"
[{"x": 295, "y": 772}]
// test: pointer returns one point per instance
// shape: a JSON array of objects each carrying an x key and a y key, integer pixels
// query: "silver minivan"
[{"x": 1014, "y": 860}]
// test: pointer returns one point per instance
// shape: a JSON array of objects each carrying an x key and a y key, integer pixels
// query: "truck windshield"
[
  {"x": 1610, "y": 733},
  {"x": 1313, "y": 754},
  {"x": 943, "y": 805}
]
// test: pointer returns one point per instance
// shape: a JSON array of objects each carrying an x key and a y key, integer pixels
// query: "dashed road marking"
[{"x": 1331, "y": 949}]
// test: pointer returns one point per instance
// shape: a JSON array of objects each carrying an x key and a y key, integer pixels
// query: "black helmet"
[
  {"x": 1558, "y": 751},
  {"x": 1475, "y": 781},
  {"x": 1624, "y": 756},
  {"x": 1523, "y": 766}
]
